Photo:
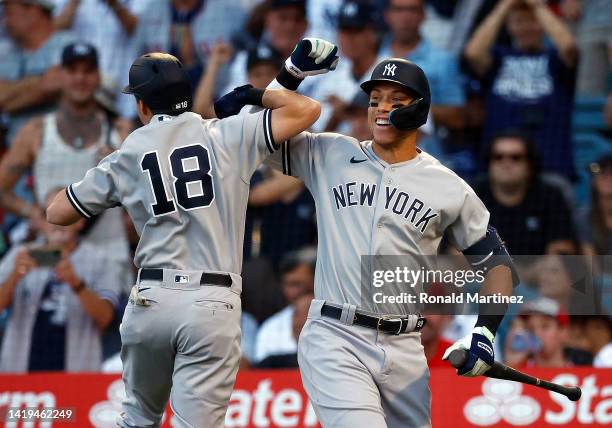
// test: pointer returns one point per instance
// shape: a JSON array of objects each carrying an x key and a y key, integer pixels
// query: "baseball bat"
[{"x": 501, "y": 371}]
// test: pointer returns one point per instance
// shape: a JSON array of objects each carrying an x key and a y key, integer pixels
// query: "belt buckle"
[{"x": 388, "y": 318}]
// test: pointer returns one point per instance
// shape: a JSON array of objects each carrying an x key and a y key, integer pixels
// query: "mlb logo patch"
[
  {"x": 181, "y": 279},
  {"x": 420, "y": 323}
]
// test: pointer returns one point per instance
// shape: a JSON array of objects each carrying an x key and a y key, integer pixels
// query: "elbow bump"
[
  {"x": 53, "y": 216},
  {"x": 314, "y": 109},
  {"x": 49, "y": 214}
]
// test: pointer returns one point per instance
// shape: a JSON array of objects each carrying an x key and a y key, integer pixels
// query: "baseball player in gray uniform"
[
  {"x": 361, "y": 366},
  {"x": 184, "y": 181}
]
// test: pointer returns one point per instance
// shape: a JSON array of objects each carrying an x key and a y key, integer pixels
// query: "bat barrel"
[
  {"x": 458, "y": 357},
  {"x": 572, "y": 392}
]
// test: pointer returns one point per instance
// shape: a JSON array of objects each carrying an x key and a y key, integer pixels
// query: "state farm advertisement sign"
[
  {"x": 277, "y": 399},
  {"x": 483, "y": 402}
]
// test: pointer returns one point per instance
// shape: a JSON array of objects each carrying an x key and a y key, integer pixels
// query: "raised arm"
[
  {"x": 64, "y": 20},
  {"x": 203, "y": 100},
  {"x": 14, "y": 165},
  {"x": 478, "y": 49},
  {"x": 292, "y": 113},
  {"x": 127, "y": 19},
  {"x": 558, "y": 32},
  {"x": 29, "y": 91}
]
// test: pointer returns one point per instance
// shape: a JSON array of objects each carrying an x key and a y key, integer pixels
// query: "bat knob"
[
  {"x": 574, "y": 393},
  {"x": 457, "y": 358}
]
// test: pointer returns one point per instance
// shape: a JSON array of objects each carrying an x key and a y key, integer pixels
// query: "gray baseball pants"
[
  {"x": 359, "y": 377},
  {"x": 179, "y": 342}
]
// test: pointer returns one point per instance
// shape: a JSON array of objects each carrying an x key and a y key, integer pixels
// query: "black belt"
[
  {"x": 220, "y": 279},
  {"x": 395, "y": 325}
]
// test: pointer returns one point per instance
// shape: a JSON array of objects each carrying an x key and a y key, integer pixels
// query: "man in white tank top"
[{"x": 59, "y": 147}]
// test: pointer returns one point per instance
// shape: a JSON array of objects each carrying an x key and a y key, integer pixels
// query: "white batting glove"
[
  {"x": 311, "y": 57},
  {"x": 479, "y": 346}
]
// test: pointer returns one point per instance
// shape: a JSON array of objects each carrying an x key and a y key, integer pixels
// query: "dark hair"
[
  {"x": 531, "y": 149},
  {"x": 293, "y": 259}
]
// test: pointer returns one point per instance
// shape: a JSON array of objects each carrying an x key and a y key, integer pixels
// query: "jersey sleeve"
[
  {"x": 470, "y": 226},
  {"x": 98, "y": 190},
  {"x": 247, "y": 139},
  {"x": 297, "y": 157}
]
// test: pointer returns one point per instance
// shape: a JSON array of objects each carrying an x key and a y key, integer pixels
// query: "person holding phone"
[{"x": 62, "y": 294}]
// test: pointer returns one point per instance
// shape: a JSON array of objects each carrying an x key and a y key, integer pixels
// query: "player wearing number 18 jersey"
[{"x": 184, "y": 181}]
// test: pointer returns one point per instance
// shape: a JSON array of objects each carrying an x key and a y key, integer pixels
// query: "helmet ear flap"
[{"x": 410, "y": 116}]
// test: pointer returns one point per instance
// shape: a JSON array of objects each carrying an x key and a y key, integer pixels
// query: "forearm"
[
  {"x": 128, "y": 21},
  {"x": 6, "y": 87},
  {"x": 100, "y": 310},
  {"x": 276, "y": 99},
  {"x": 64, "y": 20},
  {"x": 292, "y": 113},
  {"x": 14, "y": 204},
  {"x": 560, "y": 35},
  {"x": 61, "y": 211},
  {"x": 452, "y": 117},
  {"x": 10, "y": 173},
  {"x": 274, "y": 189},
  {"x": 203, "y": 101},
  {"x": 7, "y": 291},
  {"x": 478, "y": 48},
  {"x": 497, "y": 282},
  {"x": 28, "y": 92}
]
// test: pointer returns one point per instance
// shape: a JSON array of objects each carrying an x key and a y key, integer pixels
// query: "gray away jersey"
[
  {"x": 368, "y": 207},
  {"x": 184, "y": 181}
]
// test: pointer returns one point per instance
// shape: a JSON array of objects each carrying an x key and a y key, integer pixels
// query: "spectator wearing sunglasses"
[{"x": 532, "y": 215}]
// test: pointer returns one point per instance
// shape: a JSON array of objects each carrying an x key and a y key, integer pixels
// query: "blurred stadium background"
[{"x": 522, "y": 110}]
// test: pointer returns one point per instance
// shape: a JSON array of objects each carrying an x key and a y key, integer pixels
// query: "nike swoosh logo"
[{"x": 353, "y": 160}]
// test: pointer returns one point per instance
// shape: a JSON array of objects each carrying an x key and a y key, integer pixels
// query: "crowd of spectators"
[{"x": 521, "y": 109}]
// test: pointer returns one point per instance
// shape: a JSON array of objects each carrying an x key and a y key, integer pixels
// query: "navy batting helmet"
[
  {"x": 411, "y": 77},
  {"x": 161, "y": 82}
]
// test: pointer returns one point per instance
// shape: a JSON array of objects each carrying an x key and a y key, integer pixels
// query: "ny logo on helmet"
[{"x": 389, "y": 70}]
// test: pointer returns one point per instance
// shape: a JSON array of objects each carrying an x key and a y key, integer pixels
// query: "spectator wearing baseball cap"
[
  {"x": 29, "y": 71},
  {"x": 358, "y": 41},
  {"x": 60, "y": 146},
  {"x": 538, "y": 336},
  {"x": 189, "y": 29},
  {"x": 262, "y": 66},
  {"x": 109, "y": 25},
  {"x": 80, "y": 52}
]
